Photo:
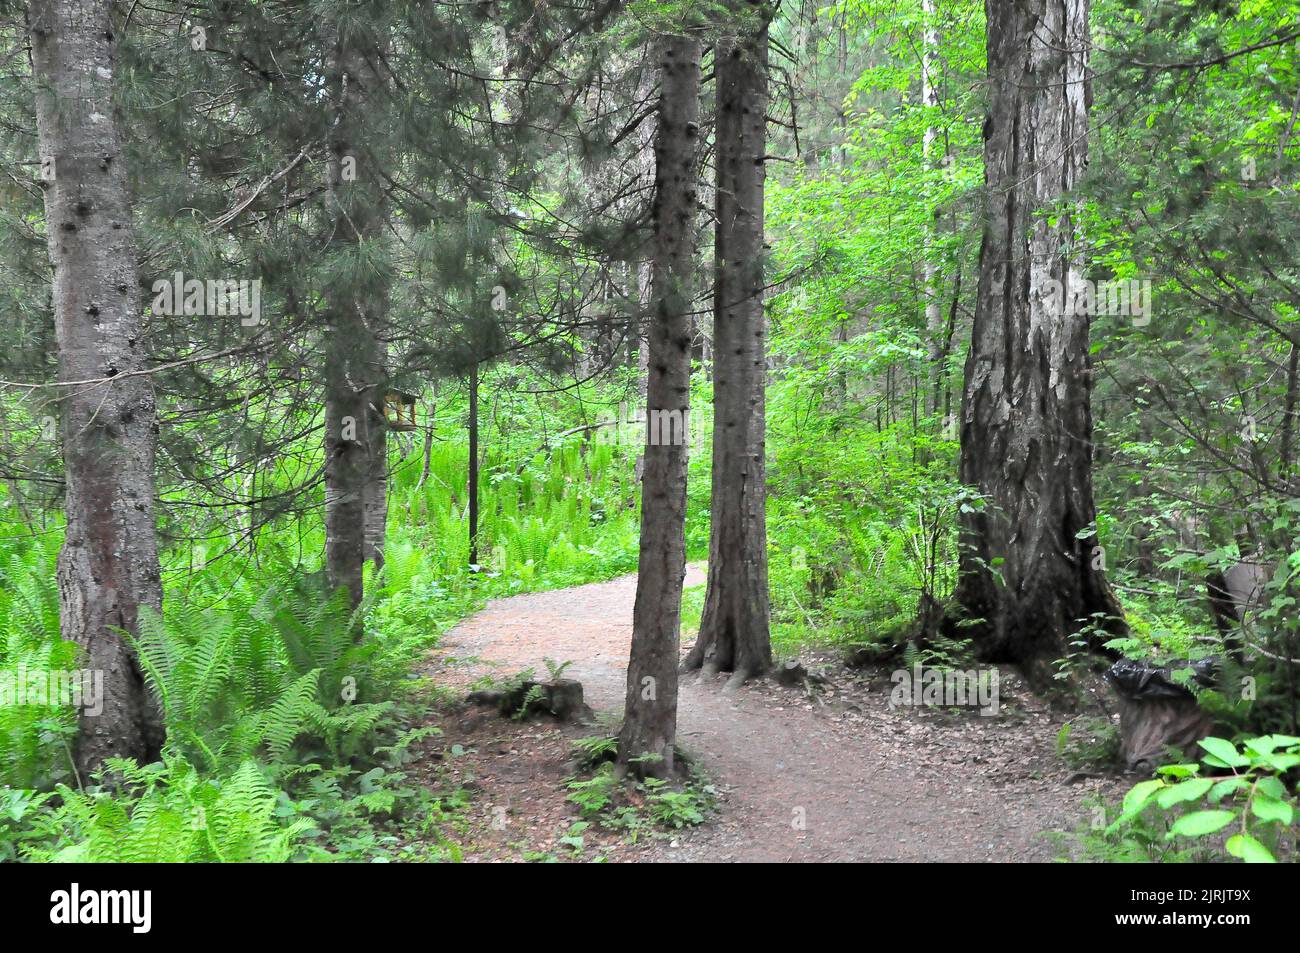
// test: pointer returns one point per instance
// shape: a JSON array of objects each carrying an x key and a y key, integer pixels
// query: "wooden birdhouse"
[{"x": 399, "y": 411}]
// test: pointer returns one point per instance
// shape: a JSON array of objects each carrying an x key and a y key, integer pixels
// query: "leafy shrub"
[
  {"x": 1185, "y": 813},
  {"x": 862, "y": 524},
  {"x": 169, "y": 813}
]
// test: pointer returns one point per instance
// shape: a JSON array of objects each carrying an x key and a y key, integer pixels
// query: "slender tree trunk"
[
  {"x": 645, "y": 272},
  {"x": 650, "y": 713},
  {"x": 1026, "y": 436},
  {"x": 108, "y": 568},
  {"x": 943, "y": 382},
  {"x": 472, "y": 489},
  {"x": 427, "y": 453},
  {"x": 347, "y": 453},
  {"x": 374, "y": 498},
  {"x": 842, "y": 60},
  {"x": 734, "y": 630},
  {"x": 934, "y": 311},
  {"x": 644, "y": 282},
  {"x": 355, "y": 376},
  {"x": 1286, "y": 456},
  {"x": 375, "y": 495}
]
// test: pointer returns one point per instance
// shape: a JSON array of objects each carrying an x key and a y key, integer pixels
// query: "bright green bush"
[{"x": 1235, "y": 803}]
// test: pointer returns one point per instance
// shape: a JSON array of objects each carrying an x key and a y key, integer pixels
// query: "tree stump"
[
  {"x": 790, "y": 673},
  {"x": 562, "y": 699}
]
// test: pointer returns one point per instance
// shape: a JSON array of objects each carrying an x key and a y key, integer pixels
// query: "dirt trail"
[{"x": 838, "y": 778}]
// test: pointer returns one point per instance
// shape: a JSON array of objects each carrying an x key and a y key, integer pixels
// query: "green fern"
[{"x": 171, "y": 814}]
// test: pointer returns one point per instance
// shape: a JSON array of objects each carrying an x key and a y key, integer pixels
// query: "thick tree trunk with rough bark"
[
  {"x": 1026, "y": 433},
  {"x": 734, "y": 630},
  {"x": 355, "y": 373},
  {"x": 650, "y": 712},
  {"x": 108, "y": 569}
]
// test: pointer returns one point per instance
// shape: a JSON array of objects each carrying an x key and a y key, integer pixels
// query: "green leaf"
[
  {"x": 1261, "y": 746},
  {"x": 1271, "y": 809},
  {"x": 1201, "y": 823},
  {"x": 1227, "y": 786},
  {"x": 1270, "y": 786},
  {"x": 1192, "y": 790},
  {"x": 1140, "y": 794},
  {"x": 1282, "y": 762},
  {"x": 1224, "y": 750},
  {"x": 1249, "y": 850}
]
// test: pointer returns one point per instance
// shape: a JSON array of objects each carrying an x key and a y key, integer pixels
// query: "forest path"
[{"x": 801, "y": 779}]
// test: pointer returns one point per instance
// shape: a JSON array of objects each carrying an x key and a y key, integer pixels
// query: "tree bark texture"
[
  {"x": 108, "y": 569},
  {"x": 1026, "y": 429},
  {"x": 734, "y": 630},
  {"x": 355, "y": 375},
  {"x": 650, "y": 713}
]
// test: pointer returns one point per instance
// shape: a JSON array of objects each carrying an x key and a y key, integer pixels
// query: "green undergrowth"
[
  {"x": 288, "y": 737},
  {"x": 1237, "y": 803},
  {"x": 637, "y": 808}
]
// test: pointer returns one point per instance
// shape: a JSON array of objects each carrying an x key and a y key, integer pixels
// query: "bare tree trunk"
[
  {"x": 374, "y": 498},
  {"x": 375, "y": 495},
  {"x": 645, "y": 284},
  {"x": 645, "y": 278},
  {"x": 650, "y": 713},
  {"x": 1286, "y": 456},
  {"x": 347, "y": 453},
  {"x": 427, "y": 452},
  {"x": 355, "y": 376},
  {"x": 472, "y": 488},
  {"x": 1026, "y": 437},
  {"x": 734, "y": 630},
  {"x": 934, "y": 312},
  {"x": 842, "y": 59},
  {"x": 108, "y": 569}
]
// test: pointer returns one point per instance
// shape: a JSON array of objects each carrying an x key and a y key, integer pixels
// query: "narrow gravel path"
[{"x": 804, "y": 779}]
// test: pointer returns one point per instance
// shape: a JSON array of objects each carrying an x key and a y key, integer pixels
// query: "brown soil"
[{"x": 804, "y": 774}]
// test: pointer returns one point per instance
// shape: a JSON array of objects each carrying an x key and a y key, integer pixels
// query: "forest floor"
[{"x": 831, "y": 775}]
